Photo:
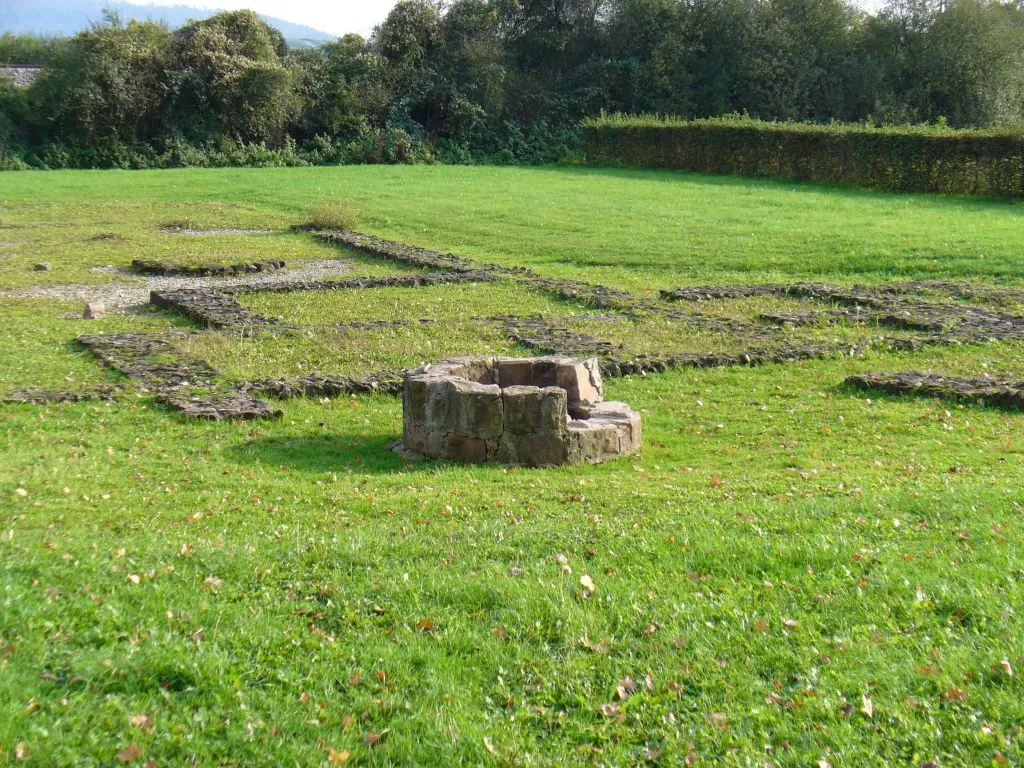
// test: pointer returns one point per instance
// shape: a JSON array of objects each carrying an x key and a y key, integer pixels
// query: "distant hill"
[{"x": 66, "y": 17}]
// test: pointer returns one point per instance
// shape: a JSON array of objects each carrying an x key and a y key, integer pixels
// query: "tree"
[
  {"x": 229, "y": 80},
  {"x": 106, "y": 83}
]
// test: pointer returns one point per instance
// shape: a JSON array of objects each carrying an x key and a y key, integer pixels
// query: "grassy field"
[{"x": 792, "y": 573}]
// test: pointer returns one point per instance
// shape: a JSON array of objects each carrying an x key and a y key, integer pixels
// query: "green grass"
[
  {"x": 38, "y": 349},
  {"x": 352, "y": 353},
  {"x": 782, "y": 552},
  {"x": 458, "y": 302}
]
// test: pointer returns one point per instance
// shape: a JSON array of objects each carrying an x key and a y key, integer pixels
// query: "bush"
[
  {"x": 899, "y": 159},
  {"x": 334, "y": 215}
]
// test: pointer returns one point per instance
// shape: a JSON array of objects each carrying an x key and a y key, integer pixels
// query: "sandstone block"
[
  {"x": 515, "y": 373},
  {"x": 554, "y": 414},
  {"x": 94, "y": 310},
  {"x": 522, "y": 408},
  {"x": 461, "y": 448},
  {"x": 592, "y": 442},
  {"x": 415, "y": 394},
  {"x": 478, "y": 408},
  {"x": 581, "y": 381},
  {"x": 438, "y": 414},
  {"x": 414, "y": 437},
  {"x": 541, "y": 450}
]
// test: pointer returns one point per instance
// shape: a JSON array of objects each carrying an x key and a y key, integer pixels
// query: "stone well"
[{"x": 535, "y": 411}]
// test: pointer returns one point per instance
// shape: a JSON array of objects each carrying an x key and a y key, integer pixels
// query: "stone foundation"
[{"x": 536, "y": 411}]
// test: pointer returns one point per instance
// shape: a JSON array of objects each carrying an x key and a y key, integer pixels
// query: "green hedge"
[{"x": 906, "y": 159}]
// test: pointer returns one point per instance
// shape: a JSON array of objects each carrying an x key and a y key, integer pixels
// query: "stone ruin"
[{"x": 536, "y": 411}]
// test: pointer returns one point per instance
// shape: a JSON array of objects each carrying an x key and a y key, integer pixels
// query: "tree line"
[{"x": 500, "y": 80}]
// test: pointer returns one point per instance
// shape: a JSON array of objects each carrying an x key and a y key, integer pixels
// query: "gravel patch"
[
  {"x": 134, "y": 292},
  {"x": 189, "y": 232}
]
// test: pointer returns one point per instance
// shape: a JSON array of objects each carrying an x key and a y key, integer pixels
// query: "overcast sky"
[{"x": 334, "y": 16}]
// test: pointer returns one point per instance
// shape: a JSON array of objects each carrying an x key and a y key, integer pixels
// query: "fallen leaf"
[
  {"x": 1006, "y": 667},
  {"x": 373, "y": 738},
  {"x": 790, "y": 623},
  {"x": 718, "y": 720},
  {"x": 141, "y": 721},
  {"x": 304, "y": 698},
  {"x": 20, "y": 751},
  {"x": 212, "y": 584},
  {"x": 499, "y": 633},
  {"x": 338, "y": 756},
  {"x": 347, "y": 721},
  {"x": 867, "y": 706},
  {"x": 489, "y": 746},
  {"x": 587, "y": 583},
  {"x": 610, "y": 710},
  {"x": 134, "y": 578},
  {"x": 625, "y": 688},
  {"x": 130, "y": 753},
  {"x": 425, "y": 625},
  {"x": 954, "y": 695},
  {"x": 761, "y": 625}
]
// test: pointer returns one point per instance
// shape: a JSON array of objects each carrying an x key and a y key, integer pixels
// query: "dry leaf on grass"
[
  {"x": 338, "y": 756},
  {"x": 130, "y": 754}
]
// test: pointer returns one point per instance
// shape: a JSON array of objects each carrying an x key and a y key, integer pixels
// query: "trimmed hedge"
[{"x": 905, "y": 159}]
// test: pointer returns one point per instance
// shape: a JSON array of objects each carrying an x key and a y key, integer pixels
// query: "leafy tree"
[
  {"x": 106, "y": 83},
  {"x": 229, "y": 79}
]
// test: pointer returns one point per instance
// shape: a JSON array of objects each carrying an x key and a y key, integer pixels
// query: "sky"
[{"x": 337, "y": 17}]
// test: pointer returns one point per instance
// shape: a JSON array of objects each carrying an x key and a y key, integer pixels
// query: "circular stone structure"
[{"x": 534, "y": 411}]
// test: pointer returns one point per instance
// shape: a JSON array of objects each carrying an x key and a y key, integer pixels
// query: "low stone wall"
[
  {"x": 999, "y": 393},
  {"x": 533, "y": 411},
  {"x": 147, "y": 267},
  {"x": 22, "y": 75}
]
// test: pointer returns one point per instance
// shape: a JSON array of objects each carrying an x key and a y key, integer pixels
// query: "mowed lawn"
[{"x": 792, "y": 573}]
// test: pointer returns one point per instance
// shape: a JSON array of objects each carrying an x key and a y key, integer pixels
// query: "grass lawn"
[{"x": 791, "y": 573}]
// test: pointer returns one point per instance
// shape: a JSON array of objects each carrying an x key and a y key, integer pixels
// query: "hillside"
[{"x": 66, "y": 17}]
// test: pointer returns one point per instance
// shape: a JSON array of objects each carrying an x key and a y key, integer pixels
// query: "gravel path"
[{"x": 123, "y": 296}]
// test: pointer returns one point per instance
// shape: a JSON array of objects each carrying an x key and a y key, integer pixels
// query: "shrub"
[
  {"x": 901, "y": 159},
  {"x": 334, "y": 214}
]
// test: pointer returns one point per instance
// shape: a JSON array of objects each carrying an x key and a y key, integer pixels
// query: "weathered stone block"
[
  {"x": 94, "y": 310},
  {"x": 463, "y": 448},
  {"x": 415, "y": 395},
  {"x": 437, "y": 444},
  {"x": 438, "y": 411},
  {"x": 592, "y": 442},
  {"x": 515, "y": 373},
  {"x": 414, "y": 438},
  {"x": 581, "y": 381},
  {"x": 553, "y": 415},
  {"x": 478, "y": 408},
  {"x": 522, "y": 409},
  {"x": 541, "y": 450}
]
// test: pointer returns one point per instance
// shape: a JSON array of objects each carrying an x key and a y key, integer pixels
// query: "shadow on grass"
[
  {"x": 963, "y": 202},
  {"x": 328, "y": 453}
]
